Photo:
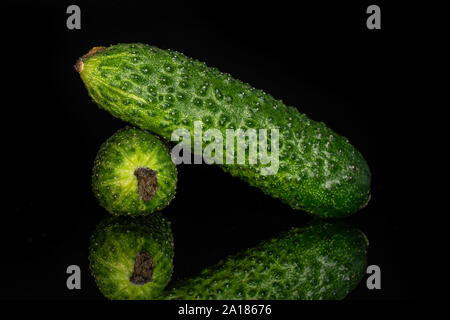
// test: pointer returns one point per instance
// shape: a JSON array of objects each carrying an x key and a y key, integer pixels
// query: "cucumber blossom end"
[{"x": 134, "y": 174}]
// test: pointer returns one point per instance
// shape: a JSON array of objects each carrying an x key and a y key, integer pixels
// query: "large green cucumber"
[
  {"x": 134, "y": 174},
  {"x": 132, "y": 258},
  {"x": 320, "y": 261},
  {"x": 160, "y": 90}
]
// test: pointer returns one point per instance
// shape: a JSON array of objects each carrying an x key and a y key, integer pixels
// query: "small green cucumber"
[
  {"x": 134, "y": 174},
  {"x": 131, "y": 258},
  {"x": 323, "y": 261},
  {"x": 318, "y": 170}
]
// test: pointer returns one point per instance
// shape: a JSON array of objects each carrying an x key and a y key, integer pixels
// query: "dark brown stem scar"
[
  {"x": 143, "y": 268},
  {"x": 147, "y": 183},
  {"x": 80, "y": 63}
]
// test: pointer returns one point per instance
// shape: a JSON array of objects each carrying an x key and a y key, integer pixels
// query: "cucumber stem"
[
  {"x": 143, "y": 268},
  {"x": 147, "y": 183},
  {"x": 80, "y": 63}
]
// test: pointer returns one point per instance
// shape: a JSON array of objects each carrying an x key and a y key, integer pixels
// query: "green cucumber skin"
[
  {"x": 129, "y": 149},
  {"x": 113, "y": 249},
  {"x": 325, "y": 261},
  {"x": 320, "y": 172}
]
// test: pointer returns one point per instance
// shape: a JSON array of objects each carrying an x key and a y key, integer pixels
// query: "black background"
[{"x": 317, "y": 56}]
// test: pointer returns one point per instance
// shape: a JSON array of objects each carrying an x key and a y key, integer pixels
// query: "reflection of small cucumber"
[
  {"x": 134, "y": 173},
  {"x": 321, "y": 261},
  {"x": 131, "y": 258},
  {"x": 160, "y": 90}
]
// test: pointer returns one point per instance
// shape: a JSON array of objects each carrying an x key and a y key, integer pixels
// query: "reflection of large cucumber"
[
  {"x": 131, "y": 258},
  {"x": 159, "y": 90},
  {"x": 322, "y": 261},
  {"x": 134, "y": 174}
]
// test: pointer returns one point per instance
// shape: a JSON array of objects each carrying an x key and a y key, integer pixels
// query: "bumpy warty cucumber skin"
[
  {"x": 113, "y": 181},
  {"x": 161, "y": 90},
  {"x": 113, "y": 249},
  {"x": 319, "y": 262}
]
